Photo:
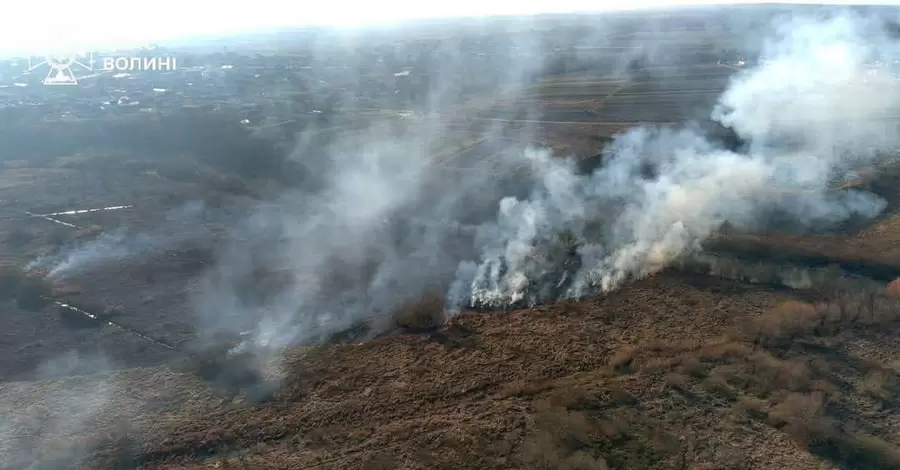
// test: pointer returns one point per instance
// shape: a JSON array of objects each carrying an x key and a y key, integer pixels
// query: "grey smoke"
[
  {"x": 809, "y": 91},
  {"x": 179, "y": 226},
  {"x": 389, "y": 226},
  {"x": 336, "y": 249},
  {"x": 106, "y": 248},
  {"x": 41, "y": 425}
]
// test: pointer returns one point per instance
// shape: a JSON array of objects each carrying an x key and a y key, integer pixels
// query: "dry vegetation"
[
  {"x": 421, "y": 314},
  {"x": 674, "y": 372},
  {"x": 677, "y": 371},
  {"x": 785, "y": 369}
]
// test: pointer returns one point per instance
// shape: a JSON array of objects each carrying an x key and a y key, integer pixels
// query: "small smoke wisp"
[
  {"x": 120, "y": 245},
  {"x": 104, "y": 249}
]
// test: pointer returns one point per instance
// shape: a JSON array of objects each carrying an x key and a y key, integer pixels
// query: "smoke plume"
[
  {"x": 811, "y": 112},
  {"x": 391, "y": 222},
  {"x": 180, "y": 226}
]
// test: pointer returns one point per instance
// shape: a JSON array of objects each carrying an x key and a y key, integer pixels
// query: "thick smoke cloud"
[
  {"x": 814, "y": 86},
  {"x": 811, "y": 111},
  {"x": 392, "y": 223},
  {"x": 388, "y": 226}
]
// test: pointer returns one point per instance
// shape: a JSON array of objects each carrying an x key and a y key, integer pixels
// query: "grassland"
[
  {"x": 675, "y": 371},
  {"x": 661, "y": 95},
  {"x": 671, "y": 372}
]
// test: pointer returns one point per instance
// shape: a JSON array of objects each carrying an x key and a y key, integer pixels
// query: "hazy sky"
[{"x": 34, "y": 26}]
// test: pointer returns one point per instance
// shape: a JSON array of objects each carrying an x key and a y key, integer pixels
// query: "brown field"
[
  {"x": 665, "y": 95},
  {"x": 671, "y": 372},
  {"x": 676, "y": 371}
]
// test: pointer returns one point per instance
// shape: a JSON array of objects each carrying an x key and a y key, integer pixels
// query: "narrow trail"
[
  {"x": 85, "y": 211},
  {"x": 51, "y": 219},
  {"x": 120, "y": 327}
]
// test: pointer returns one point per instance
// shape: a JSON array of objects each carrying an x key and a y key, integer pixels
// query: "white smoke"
[
  {"x": 313, "y": 236},
  {"x": 387, "y": 223},
  {"x": 106, "y": 248},
  {"x": 41, "y": 425},
  {"x": 180, "y": 225},
  {"x": 810, "y": 115}
]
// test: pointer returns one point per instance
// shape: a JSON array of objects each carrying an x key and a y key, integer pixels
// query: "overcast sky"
[{"x": 29, "y": 26}]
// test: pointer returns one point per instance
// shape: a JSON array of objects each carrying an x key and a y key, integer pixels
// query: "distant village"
[{"x": 265, "y": 87}]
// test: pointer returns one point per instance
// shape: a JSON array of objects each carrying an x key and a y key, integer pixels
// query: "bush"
[
  {"x": 568, "y": 240},
  {"x": 87, "y": 231},
  {"x": 893, "y": 289},
  {"x": 787, "y": 321},
  {"x": 867, "y": 451},
  {"x": 112, "y": 311},
  {"x": 424, "y": 313},
  {"x": 879, "y": 384}
]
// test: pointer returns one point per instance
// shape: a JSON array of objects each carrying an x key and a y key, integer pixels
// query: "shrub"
[
  {"x": 893, "y": 289},
  {"x": 424, "y": 313},
  {"x": 867, "y": 452},
  {"x": 112, "y": 311},
  {"x": 787, "y": 321},
  {"x": 584, "y": 461},
  {"x": 623, "y": 359},
  {"x": 879, "y": 384},
  {"x": 88, "y": 231},
  {"x": 568, "y": 240},
  {"x": 797, "y": 409},
  {"x": 677, "y": 381}
]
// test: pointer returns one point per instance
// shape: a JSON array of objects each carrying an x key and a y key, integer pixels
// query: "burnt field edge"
[{"x": 751, "y": 249}]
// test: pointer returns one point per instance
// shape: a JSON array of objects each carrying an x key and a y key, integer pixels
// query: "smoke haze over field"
[
  {"x": 179, "y": 227},
  {"x": 98, "y": 23},
  {"x": 39, "y": 432},
  {"x": 389, "y": 227},
  {"x": 356, "y": 225}
]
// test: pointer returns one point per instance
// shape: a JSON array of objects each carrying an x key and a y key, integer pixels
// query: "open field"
[
  {"x": 671, "y": 371},
  {"x": 766, "y": 349},
  {"x": 679, "y": 370},
  {"x": 656, "y": 95}
]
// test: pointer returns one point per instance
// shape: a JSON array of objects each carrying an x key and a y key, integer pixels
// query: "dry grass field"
[
  {"x": 676, "y": 371},
  {"x": 679, "y": 370}
]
